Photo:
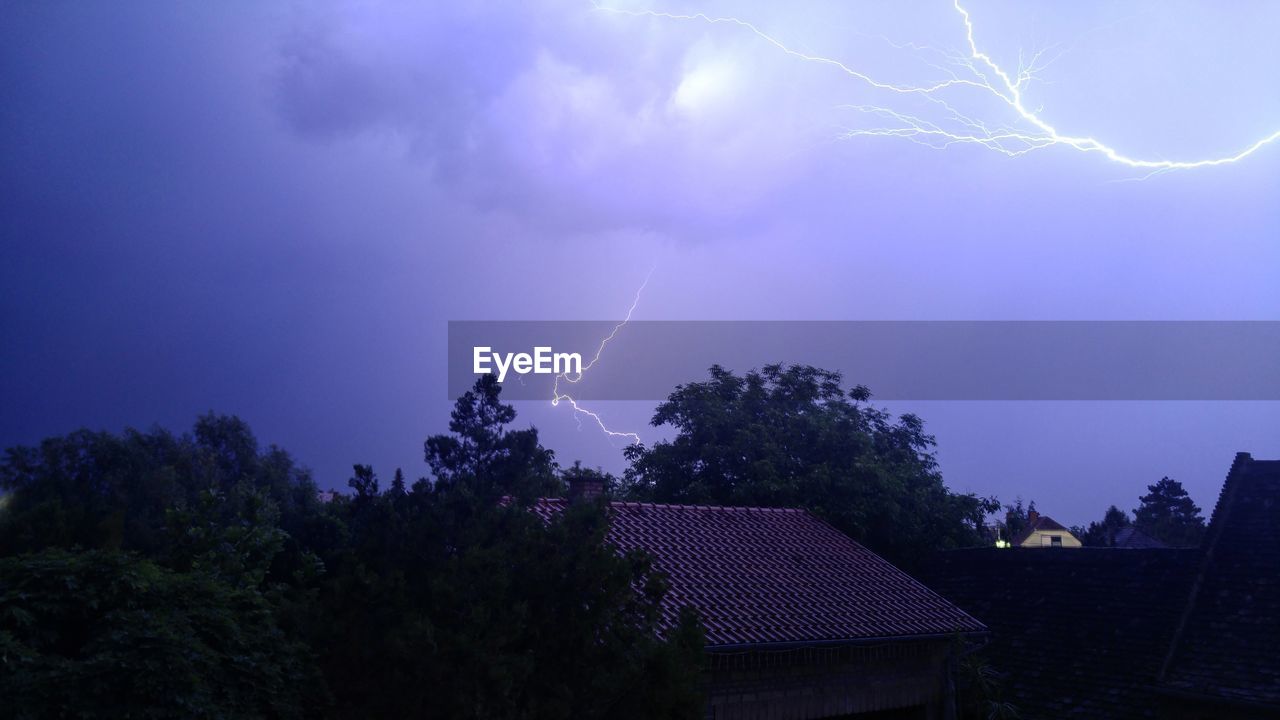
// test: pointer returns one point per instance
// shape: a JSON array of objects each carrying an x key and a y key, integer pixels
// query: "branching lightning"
[
  {"x": 972, "y": 71},
  {"x": 962, "y": 75},
  {"x": 557, "y": 395}
]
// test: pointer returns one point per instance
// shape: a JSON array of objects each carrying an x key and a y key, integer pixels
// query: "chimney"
[
  {"x": 585, "y": 487},
  {"x": 1032, "y": 517}
]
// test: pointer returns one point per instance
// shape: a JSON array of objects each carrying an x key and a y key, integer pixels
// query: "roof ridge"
[
  {"x": 688, "y": 506},
  {"x": 1217, "y": 522}
]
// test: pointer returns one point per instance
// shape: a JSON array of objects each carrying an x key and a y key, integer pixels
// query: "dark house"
[
  {"x": 1133, "y": 538},
  {"x": 1138, "y": 633},
  {"x": 1078, "y": 634},
  {"x": 801, "y": 621},
  {"x": 1225, "y": 656}
]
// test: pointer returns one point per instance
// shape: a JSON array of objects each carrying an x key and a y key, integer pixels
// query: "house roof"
[
  {"x": 1102, "y": 632},
  {"x": 1078, "y": 634},
  {"x": 1041, "y": 524},
  {"x": 1133, "y": 538},
  {"x": 759, "y": 575},
  {"x": 1226, "y": 645}
]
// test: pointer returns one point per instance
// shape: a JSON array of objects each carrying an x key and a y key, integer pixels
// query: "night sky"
[{"x": 273, "y": 210}]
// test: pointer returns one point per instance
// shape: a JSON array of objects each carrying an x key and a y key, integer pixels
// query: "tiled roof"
[
  {"x": 1079, "y": 634},
  {"x": 1044, "y": 522},
  {"x": 1229, "y": 644},
  {"x": 1104, "y": 632},
  {"x": 760, "y": 575}
]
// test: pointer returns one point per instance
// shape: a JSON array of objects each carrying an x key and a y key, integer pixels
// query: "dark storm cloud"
[
  {"x": 573, "y": 119},
  {"x": 273, "y": 210},
  {"x": 167, "y": 250},
  {"x": 421, "y": 72}
]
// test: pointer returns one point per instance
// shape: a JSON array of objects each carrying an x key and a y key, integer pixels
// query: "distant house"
[
  {"x": 801, "y": 621},
  {"x": 1178, "y": 633},
  {"x": 1132, "y": 537},
  {"x": 1044, "y": 531}
]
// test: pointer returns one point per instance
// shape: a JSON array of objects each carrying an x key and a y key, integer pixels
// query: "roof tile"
[
  {"x": 765, "y": 575},
  {"x": 1228, "y": 644}
]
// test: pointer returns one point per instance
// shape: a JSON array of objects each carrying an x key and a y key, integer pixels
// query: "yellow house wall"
[{"x": 1035, "y": 540}]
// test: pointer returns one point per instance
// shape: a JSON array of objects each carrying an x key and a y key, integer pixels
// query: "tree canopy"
[
  {"x": 452, "y": 599},
  {"x": 1016, "y": 518},
  {"x": 1167, "y": 513},
  {"x": 198, "y": 575},
  {"x": 794, "y": 437},
  {"x": 1103, "y": 533},
  {"x": 103, "y": 633}
]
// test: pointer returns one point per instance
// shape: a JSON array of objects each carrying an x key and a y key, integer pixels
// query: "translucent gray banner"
[{"x": 897, "y": 360}]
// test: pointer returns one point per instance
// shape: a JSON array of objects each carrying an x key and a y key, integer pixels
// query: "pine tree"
[{"x": 1166, "y": 512}]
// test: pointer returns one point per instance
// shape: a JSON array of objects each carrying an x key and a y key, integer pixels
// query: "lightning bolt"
[
  {"x": 971, "y": 72},
  {"x": 578, "y": 411}
]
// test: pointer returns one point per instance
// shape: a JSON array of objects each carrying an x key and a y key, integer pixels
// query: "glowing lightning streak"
[
  {"x": 557, "y": 396},
  {"x": 1008, "y": 89},
  {"x": 1088, "y": 144}
]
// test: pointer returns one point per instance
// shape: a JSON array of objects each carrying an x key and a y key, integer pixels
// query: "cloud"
[{"x": 568, "y": 117}]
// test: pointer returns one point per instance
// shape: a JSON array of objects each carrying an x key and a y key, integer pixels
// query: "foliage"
[
  {"x": 793, "y": 437},
  {"x": 107, "y": 634},
  {"x": 455, "y": 599},
  {"x": 444, "y": 607},
  {"x": 576, "y": 472},
  {"x": 980, "y": 691},
  {"x": 1167, "y": 513},
  {"x": 1103, "y": 533},
  {"x": 1016, "y": 517},
  {"x": 154, "y": 575},
  {"x": 483, "y": 457},
  {"x": 205, "y": 499}
]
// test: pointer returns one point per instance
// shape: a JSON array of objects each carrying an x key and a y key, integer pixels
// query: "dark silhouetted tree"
[
  {"x": 107, "y": 634},
  {"x": 158, "y": 541},
  {"x": 1015, "y": 518},
  {"x": 99, "y": 490},
  {"x": 486, "y": 457},
  {"x": 793, "y": 437},
  {"x": 1167, "y": 513},
  {"x": 456, "y": 599},
  {"x": 1103, "y": 533},
  {"x": 152, "y": 575}
]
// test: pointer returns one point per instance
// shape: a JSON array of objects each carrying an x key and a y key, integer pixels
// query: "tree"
[
  {"x": 1103, "y": 534},
  {"x": 456, "y": 599},
  {"x": 1016, "y": 517},
  {"x": 793, "y": 437},
  {"x": 484, "y": 456},
  {"x": 980, "y": 689},
  {"x": 159, "y": 541},
  {"x": 143, "y": 492},
  {"x": 1167, "y": 513},
  {"x": 107, "y": 634},
  {"x": 576, "y": 472},
  {"x": 199, "y": 576}
]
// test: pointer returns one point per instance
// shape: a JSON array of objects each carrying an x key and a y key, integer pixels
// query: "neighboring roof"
[
  {"x": 1041, "y": 524},
  {"x": 1103, "y": 632},
  {"x": 1228, "y": 645},
  {"x": 1079, "y": 634},
  {"x": 760, "y": 575},
  {"x": 1133, "y": 538}
]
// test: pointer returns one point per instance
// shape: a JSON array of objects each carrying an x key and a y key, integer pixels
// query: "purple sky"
[{"x": 273, "y": 210}]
